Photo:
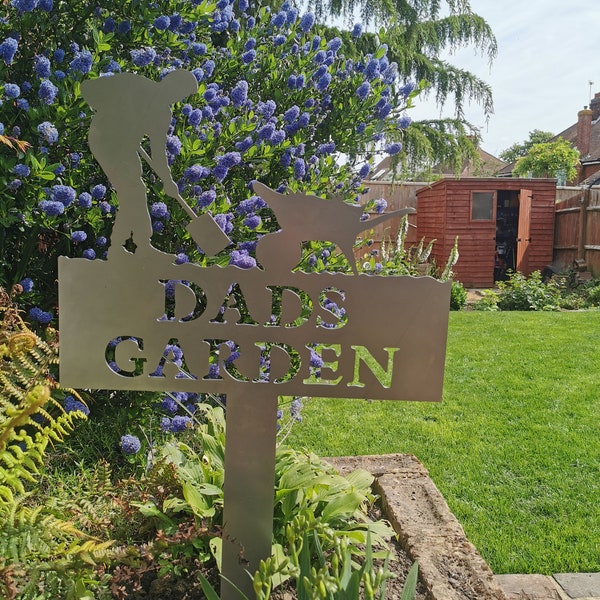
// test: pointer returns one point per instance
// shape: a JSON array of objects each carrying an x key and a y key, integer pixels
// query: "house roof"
[
  {"x": 570, "y": 134},
  {"x": 487, "y": 166}
]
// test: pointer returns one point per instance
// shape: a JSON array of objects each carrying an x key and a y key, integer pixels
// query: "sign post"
[
  {"x": 249, "y": 483},
  {"x": 246, "y": 333}
]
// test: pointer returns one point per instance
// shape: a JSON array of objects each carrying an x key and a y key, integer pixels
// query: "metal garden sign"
[{"x": 246, "y": 333}]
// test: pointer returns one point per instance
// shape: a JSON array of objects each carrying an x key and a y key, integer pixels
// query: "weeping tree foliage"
[
  {"x": 429, "y": 143},
  {"x": 418, "y": 33}
]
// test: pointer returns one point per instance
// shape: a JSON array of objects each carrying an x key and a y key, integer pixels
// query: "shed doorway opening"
[
  {"x": 513, "y": 232},
  {"x": 507, "y": 230}
]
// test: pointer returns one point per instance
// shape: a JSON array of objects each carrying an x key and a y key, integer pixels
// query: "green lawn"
[{"x": 515, "y": 445}]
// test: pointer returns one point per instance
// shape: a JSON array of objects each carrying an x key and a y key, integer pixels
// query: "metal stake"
[{"x": 251, "y": 428}]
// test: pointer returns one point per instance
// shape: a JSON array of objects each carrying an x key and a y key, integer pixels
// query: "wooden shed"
[{"x": 501, "y": 224}]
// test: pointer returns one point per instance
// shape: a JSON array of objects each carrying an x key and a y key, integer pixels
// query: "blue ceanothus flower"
[
  {"x": 47, "y": 92},
  {"x": 12, "y": 90},
  {"x": 130, "y": 444},
  {"x": 8, "y": 49}
]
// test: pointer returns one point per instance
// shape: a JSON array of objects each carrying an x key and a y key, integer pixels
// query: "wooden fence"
[
  {"x": 577, "y": 229},
  {"x": 397, "y": 195}
]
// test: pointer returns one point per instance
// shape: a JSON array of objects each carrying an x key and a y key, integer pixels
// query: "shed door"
[{"x": 524, "y": 234}]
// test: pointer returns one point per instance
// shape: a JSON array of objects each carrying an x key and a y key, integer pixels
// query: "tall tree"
[
  {"x": 514, "y": 152},
  {"x": 419, "y": 33}
]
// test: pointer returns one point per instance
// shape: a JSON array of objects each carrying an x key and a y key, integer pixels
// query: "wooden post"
[{"x": 585, "y": 202}]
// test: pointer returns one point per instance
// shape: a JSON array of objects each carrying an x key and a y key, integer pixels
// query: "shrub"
[
  {"x": 172, "y": 533},
  {"x": 458, "y": 296},
  {"x": 528, "y": 293},
  {"x": 487, "y": 302},
  {"x": 36, "y": 542},
  {"x": 277, "y": 100},
  {"x": 593, "y": 296},
  {"x": 573, "y": 301}
]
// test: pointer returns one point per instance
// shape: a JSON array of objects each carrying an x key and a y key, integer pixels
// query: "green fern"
[
  {"x": 34, "y": 543},
  {"x": 30, "y": 417}
]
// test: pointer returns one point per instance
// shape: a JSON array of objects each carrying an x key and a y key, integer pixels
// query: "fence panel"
[
  {"x": 397, "y": 195},
  {"x": 591, "y": 237},
  {"x": 577, "y": 229}
]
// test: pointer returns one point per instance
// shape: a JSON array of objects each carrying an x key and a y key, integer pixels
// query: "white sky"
[{"x": 548, "y": 52}]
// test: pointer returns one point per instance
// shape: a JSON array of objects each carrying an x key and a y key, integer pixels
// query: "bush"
[
  {"x": 593, "y": 296},
  {"x": 458, "y": 296},
  {"x": 573, "y": 301},
  {"x": 278, "y": 98},
  {"x": 488, "y": 302},
  {"x": 528, "y": 293}
]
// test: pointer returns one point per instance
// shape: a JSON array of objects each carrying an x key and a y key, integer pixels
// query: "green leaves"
[
  {"x": 196, "y": 497},
  {"x": 41, "y": 169},
  {"x": 337, "y": 575},
  {"x": 30, "y": 417},
  {"x": 311, "y": 485},
  {"x": 514, "y": 152},
  {"x": 33, "y": 539},
  {"x": 101, "y": 40},
  {"x": 519, "y": 292},
  {"x": 208, "y": 590},
  {"x": 342, "y": 506},
  {"x": 551, "y": 159},
  {"x": 151, "y": 511},
  {"x": 410, "y": 585}
]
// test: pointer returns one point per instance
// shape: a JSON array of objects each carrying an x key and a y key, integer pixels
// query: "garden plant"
[
  {"x": 535, "y": 292},
  {"x": 276, "y": 101}
]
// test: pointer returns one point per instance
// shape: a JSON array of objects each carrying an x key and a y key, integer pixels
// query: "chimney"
[
  {"x": 595, "y": 106},
  {"x": 584, "y": 130}
]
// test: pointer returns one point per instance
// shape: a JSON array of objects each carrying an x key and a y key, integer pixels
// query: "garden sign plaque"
[{"x": 246, "y": 333}]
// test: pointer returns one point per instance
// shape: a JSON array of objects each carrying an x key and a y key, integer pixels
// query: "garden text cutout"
[{"x": 246, "y": 333}]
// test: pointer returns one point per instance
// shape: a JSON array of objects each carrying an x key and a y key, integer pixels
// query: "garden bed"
[{"x": 450, "y": 568}]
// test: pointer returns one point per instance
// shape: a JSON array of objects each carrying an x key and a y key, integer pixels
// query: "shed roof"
[{"x": 497, "y": 182}]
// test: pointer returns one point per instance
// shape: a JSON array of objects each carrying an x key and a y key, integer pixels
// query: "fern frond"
[
  {"x": 35, "y": 544},
  {"x": 30, "y": 417}
]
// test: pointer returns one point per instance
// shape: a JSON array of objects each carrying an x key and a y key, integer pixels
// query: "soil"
[
  {"x": 400, "y": 566},
  {"x": 476, "y": 294},
  {"x": 139, "y": 585}
]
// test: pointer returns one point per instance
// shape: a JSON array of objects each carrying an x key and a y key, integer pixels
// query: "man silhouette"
[{"x": 129, "y": 107}]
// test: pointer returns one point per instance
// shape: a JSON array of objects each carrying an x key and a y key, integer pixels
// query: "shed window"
[{"x": 482, "y": 206}]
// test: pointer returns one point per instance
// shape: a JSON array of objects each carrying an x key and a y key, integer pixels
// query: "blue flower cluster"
[
  {"x": 71, "y": 404},
  {"x": 283, "y": 126},
  {"x": 40, "y": 316},
  {"x": 130, "y": 444}
]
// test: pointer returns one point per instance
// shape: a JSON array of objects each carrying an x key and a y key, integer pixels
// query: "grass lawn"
[{"x": 515, "y": 445}]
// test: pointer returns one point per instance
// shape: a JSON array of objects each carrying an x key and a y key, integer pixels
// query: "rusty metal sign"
[{"x": 246, "y": 333}]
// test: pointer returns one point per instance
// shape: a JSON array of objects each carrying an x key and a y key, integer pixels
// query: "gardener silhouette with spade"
[{"x": 127, "y": 108}]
